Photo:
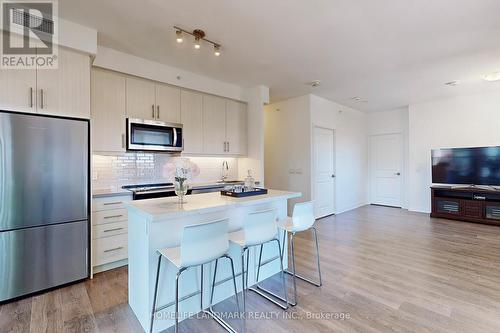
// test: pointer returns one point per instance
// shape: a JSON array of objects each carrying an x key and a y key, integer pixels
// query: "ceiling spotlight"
[
  {"x": 492, "y": 77},
  {"x": 197, "y": 44},
  {"x": 179, "y": 36},
  {"x": 452, "y": 83},
  {"x": 217, "y": 50}
]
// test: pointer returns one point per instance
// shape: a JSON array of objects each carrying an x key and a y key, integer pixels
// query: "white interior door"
[
  {"x": 386, "y": 155},
  {"x": 324, "y": 172}
]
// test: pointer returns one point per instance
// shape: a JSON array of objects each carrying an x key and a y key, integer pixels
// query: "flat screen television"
[{"x": 468, "y": 166}]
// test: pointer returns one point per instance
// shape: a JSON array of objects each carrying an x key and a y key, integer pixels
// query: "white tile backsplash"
[{"x": 142, "y": 168}]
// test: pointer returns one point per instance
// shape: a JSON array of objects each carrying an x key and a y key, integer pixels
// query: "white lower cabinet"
[{"x": 109, "y": 232}]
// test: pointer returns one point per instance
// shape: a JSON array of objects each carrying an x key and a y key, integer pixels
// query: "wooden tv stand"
[{"x": 466, "y": 204}]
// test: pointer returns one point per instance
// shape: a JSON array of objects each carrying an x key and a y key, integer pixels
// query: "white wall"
[
  {"x": 129, "y": 64},
  {"x": 391, "y": 122},
  {"x": 256, "y": 97},
  {"x": 351, "y": 150},
  {"x": 465, "y": 121},
  {"x": 287, "y": 146}
]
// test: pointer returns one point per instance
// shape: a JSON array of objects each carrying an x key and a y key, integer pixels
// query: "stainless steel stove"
[{"x": 149, "y": 191}]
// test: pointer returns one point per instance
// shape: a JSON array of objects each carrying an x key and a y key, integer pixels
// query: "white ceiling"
[{"x": 391, "y": 53}]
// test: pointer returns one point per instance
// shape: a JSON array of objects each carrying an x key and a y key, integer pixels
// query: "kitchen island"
[{"x": 158, "y": 223}]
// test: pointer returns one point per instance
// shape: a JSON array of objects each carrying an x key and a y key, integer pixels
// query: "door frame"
[
  {"x": 313, "y": 165},
  {"x": 370, "y": 167}
]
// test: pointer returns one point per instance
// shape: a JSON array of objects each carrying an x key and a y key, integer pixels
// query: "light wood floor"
[{"x": 385, "y": 268}]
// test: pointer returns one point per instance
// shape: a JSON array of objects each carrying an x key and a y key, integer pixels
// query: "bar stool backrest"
[
  {"x": 303, "y": 216},
  {"x": 202, "y": 243},
  {"x": 260, "y": 227}
]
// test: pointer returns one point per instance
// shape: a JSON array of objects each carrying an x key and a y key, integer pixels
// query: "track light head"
[{"x": 179, "y": 39}]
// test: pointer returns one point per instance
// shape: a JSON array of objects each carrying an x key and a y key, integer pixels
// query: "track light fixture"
[
  {"x": 217, "y": 50},
  {"x": 199, "y": 36},
  {"x": 180, "y": 39}
]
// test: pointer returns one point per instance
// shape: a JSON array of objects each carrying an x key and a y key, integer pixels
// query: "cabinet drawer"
[
  {"x": 109, "y": 229},
  {"x": 109, "y": 249},
  {"x": 107, "y": 203},
  {"x": 109, "y": 216}
]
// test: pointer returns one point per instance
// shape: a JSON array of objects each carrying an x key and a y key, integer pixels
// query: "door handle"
[
  {"x": 153, "y": 109},
  {"x": 398, "y": 173},
  {"x": 41, "y": 98},
  {"x": 31, "y": 97},
  {"x": 123, "y": 140},
  {"x": 333, "y": 176},
  {"x": 157, "y": 112}
]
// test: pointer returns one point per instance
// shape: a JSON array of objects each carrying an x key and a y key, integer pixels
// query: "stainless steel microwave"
[{"x": 152, "y": 135}]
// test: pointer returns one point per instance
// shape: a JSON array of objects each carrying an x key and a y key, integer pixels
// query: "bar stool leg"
[
  {"x": 201, "y": 287},
  {"x": 155, "y": 295},
  {"x": 211, "y": 312},
  {"x": 213, "y": 284},
  {"x": 317, "y": 255},
  {"x": 264, "y": 292},
  {"x": 292, "y": 246},
  {"x": 177, "y": 300},
  {"x": 243, "y": 288},
  {"x": 317, "y": 284}
]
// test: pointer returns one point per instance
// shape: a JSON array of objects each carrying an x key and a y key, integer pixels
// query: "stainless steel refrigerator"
[{"x": 44, "y": 203}]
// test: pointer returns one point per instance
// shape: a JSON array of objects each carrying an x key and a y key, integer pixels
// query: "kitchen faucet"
[{"x": 224, "y": 171}]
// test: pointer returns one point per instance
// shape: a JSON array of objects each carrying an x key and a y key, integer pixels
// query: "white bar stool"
[
  {"x": 301, "y": 220},
  {"x": 201, "y": 244},
  {"x": 259, "y": 228}
]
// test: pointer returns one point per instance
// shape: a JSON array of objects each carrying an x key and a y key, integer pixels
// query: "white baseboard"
[{"x": 352, "y": 208}]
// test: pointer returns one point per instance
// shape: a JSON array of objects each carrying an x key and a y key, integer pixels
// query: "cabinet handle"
[
  {"x": 228, "y": 147},
  {"x": 115, "y": 249},
  {"x": 112, "y": 203},
  {"x": 153, "y": 111},
  {"x": 31, "y": 97},
  {"x": 111, "y": 230},
  {"x": 123, "y": 140},
  {"x": 41, "y": 98},
  {"x": 157, "y": 112},
  {"x": 113, "y": 216},
  {"x": 224, "y": 146}
]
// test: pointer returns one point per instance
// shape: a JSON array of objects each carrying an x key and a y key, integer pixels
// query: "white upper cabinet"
[
  {"x": 236, "y": 128},
  {"x": 211, "y": 125},
  {"x": 108, "y": 111},
  {"x": 140, "y": 99},
  {"x": 17, "y": 87},
  {"x": 191, "y": 119},
  {"x": 65, "y": 91},
  {"x": 149, "y": 100},
  {"x": 18, "y": 90},
  {"x": 168, "y": 103},
  {"x": 214, "y": 125}
]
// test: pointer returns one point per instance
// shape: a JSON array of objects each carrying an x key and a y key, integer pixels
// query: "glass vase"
[{"x": 181, "y": 189}]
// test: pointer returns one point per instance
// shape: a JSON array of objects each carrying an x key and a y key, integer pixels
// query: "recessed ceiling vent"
[{"x": 25, "y": 19}]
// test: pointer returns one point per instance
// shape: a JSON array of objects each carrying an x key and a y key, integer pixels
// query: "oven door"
[{"x": 146, "y": 135}]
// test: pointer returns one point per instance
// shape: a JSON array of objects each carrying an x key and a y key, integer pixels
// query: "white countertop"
[{"x": 161, "y": 208}]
